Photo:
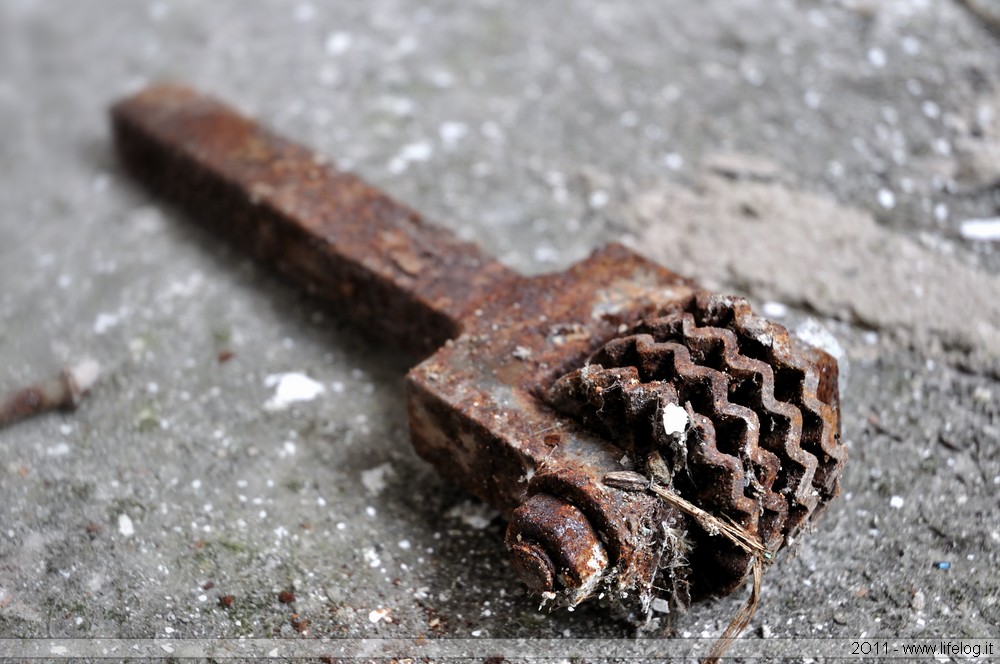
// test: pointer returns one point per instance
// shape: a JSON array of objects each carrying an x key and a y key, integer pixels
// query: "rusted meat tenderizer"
[{"x": 649, "y": 443}]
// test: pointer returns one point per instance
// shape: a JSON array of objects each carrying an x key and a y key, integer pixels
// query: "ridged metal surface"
[{"x": 761, "y": 446}]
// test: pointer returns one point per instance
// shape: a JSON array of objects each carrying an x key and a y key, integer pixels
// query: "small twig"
[
  {"x": 63, "y": 392},
  {"x": 713, "y": 525}
]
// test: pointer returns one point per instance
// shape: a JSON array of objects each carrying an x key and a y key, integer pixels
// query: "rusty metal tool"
[{"x": 532, "y": 391}]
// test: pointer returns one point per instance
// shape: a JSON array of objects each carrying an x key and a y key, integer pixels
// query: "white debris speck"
[
  {"x": 370, "y": 511},
  {"x": 476, "y": 515},
  {"x": 290, "y": 388},
  {"x": 305, "y": 12},
  {"x": 941, "y": 212},
  {"x": 338, "y": 43},
  {"x": 287, "y": 449},
  {"x": 452, "y": 132},
  {"x": 910, "y": 44},
  {"x": 60, "y": 449},
  {"x": 105, "y": 322},
  {"x": 675, "y": 419},
  {"x": 419, "y": 151},
  {"x": 930, "y": 109},
  {"x": 660, "y": 605},
  {"x": 372, "y": 557},
  {"x": 125, "y": 526},
  {"x": 886, "y": 198},
  {"x": 876, "y": 57},
  {"x": 896, "y": 502},
  {"x": 167, "y": 648},
  {"x": 58, "y": 650},
  {"x": 546, "y": 254},
  {"x": 378, "y": 615},
  {"x": 981, "y": 229},
  {"x": 442, "y": 78},
  {"x": 405, "y": 545},
  {"x": 673, "y": 161},
  {"x": 598, "y": 199},
  {"x": 374, "y": 479},
  {"x": 812, "y": 98},
  {"x": 775, "y": 310}
]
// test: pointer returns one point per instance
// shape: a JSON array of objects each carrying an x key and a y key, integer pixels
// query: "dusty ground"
[{"x": 816, "y": 155}]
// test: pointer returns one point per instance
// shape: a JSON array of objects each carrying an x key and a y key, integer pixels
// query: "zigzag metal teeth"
[{"x": 761, "y": 447}]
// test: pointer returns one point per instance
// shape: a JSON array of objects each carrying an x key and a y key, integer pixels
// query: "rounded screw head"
[{"x": 534, "y": 566}]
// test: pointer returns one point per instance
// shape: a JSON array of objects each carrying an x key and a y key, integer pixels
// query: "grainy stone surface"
[{"x": 540, "y": 130}]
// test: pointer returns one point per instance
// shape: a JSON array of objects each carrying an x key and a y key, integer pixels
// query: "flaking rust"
[{"x": 533, "y": 392}]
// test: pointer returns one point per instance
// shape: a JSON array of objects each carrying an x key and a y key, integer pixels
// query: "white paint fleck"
[
  {"x": 370, "y": 511},
  {"x": 125, "y": 526},
  {"x": 675, "y": 419},
  {"x": 291, "y": 388},
  {"x": 405, "y": 545},
  {"x": 338, "y": 43},
  {"x": 287, "y": 449},
  {"x": 930, "y": 109},
  {"x": 896, "y": 502},
  {"x": 374, "y": 479},
  {"x": 886, "y": 198},
  {"x": 167, "y": 648},
  {"x": 775, "y": 310},
  {"x": 987, "y": 230},
  {"x": 58, "y": 650}
]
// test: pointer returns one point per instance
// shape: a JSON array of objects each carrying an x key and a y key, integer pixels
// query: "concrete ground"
[{"x": 818, "y": 157}]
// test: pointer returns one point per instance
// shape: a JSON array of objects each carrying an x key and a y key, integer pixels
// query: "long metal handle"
[{"x": 352, "y": 245}]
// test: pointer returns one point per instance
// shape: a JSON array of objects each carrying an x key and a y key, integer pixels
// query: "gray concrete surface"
[{"x": 864, "y": 133}]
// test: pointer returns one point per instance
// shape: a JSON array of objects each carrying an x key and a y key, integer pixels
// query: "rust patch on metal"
[{"x": 374, "y": 259}]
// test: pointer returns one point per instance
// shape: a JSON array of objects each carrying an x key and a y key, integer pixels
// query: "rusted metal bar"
[
  {"x": 372, "y": 258},
  {"x": 551, "y": 384}
]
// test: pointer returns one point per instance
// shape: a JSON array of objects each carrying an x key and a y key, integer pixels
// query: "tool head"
[{"x": 567, "y": 377}]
